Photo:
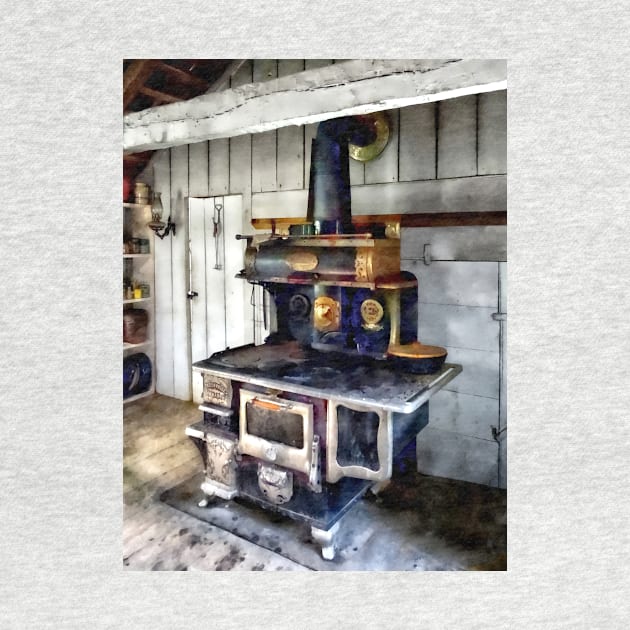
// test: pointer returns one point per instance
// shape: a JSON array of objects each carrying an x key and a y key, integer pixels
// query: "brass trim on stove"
[
  {"x": 380, "y": 260},
  {"x": 392, "y": 230},
  {"x": 302, "y": 261},
  {"x": 372, "y": 313},
  {"x": 326, "y": 314},
  {"x": 381, "y": 125}
]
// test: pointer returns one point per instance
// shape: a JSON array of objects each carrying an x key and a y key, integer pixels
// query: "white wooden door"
[{"x": 220, "y": 315}]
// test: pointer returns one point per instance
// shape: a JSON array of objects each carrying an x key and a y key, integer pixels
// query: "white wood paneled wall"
[
  {"x": 503, "y": 307},
  {"x": 441, "y": 157},
  {"x": 439, "y": 153},
  {"x": 460, "y": 319},
  {"x": 220, "y": 316},
  {"x": 163, "y": 282},
  {"x": 461, "y": 291}
]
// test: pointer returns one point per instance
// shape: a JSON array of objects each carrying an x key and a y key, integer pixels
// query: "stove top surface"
[{"x": 334, "y": 375}]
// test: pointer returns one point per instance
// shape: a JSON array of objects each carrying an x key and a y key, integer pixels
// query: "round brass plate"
[
  {"x": 372, "y": 313},
  {"x": 369, "y": 152}
]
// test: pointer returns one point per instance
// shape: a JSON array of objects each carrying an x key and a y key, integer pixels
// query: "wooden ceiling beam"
[
  {"x": 159, "y": 96},
  {"x": 137, "y": 158},
  {"x": 134, "y": 78},
  {"x": 183, "y": 77},
  {"x": 345, "y": 89},
  {"x": 453, "y": 219},
  {"x": 228, "y": 73}
]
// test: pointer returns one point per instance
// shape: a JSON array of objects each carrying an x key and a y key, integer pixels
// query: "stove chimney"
[{"x": 329, "y": 191}]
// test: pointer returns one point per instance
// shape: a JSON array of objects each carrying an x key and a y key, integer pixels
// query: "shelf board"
[
  {"x": 129, "y": 346},
  {"x": 146, "y": 299},
  {"x": 136, "y": 255}
]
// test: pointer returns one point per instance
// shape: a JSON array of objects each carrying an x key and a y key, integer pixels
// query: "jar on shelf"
[
  {"x": 141, "y": 191},
  {"x": 135, "y": 323}
]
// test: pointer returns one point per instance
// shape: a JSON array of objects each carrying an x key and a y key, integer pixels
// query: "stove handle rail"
[
  {"x": 245, "y": 237},
  {"x": 273, "y": 404}
]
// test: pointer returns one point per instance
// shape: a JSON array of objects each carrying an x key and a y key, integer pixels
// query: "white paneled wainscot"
[
  {"x": 459, "y": 303},
  {"x": 446, "y": 157}
]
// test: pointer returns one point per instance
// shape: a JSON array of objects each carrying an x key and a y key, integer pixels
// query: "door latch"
[{"x": 191, "y": 294}]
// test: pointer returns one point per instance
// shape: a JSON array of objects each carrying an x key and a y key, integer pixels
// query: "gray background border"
[{"x": 60, "y": 411}]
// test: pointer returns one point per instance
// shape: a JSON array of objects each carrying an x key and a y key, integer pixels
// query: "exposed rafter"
[
  {"x": 134, "y": 78},
  {"x": 352, "y": 87},
  {"x": 228, "y": 73},
  {"x": 158, "y": 95},
  {"x": 183, "y": 77},
  {"x": 154, "y": 82}
]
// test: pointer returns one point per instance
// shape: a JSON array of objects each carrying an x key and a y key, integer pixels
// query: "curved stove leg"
[
  {"x": 208, "y": 498},
  {"x": 326, "y": 538},
  {"x": 205, "y": 502}
]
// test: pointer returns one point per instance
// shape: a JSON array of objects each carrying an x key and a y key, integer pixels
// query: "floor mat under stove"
[{"x": 393, "y": 532}]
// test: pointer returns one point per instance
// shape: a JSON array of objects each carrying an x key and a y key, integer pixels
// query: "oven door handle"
[{"x": 272, "y": 405}]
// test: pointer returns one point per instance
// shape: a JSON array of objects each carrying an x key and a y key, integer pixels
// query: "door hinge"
[{"x": 426, "y": 254}]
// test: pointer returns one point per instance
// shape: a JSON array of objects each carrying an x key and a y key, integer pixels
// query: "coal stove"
[{"x": 323, "y": 410}]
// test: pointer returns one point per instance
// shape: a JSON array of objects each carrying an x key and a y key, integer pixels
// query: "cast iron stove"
[{"x": 326, "y": 408}]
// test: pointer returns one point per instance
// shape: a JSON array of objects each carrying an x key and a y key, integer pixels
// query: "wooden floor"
[
  {"x": 462, "y": 526},
  {"x": 157, "y": 456}
]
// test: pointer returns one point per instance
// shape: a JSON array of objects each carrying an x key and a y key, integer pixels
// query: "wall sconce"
[{"x": 160, "y": 228}]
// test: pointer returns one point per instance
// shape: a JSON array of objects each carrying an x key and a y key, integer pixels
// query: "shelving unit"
[{"x": 140, "y": 268}]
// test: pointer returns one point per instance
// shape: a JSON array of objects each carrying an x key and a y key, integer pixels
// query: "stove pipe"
[{"x": 329, "y": 191}]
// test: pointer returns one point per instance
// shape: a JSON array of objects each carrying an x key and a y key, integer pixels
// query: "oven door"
[
  {"x": 278, "y": 431},
  {"x": 359, "y": 442}
]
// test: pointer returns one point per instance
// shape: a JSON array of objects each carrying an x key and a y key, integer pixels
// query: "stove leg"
[
  {"x": 378, "y": 487},
  {"x": 208, "y": 496},
  {"x": 326, "y": 538}
]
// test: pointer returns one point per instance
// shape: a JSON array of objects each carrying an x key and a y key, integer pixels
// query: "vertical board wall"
[
  {"x": 459, "y": 291},
  {"x": 459, "y": 303}
]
